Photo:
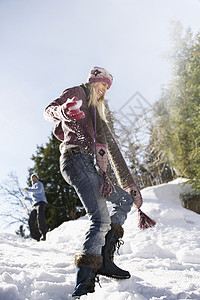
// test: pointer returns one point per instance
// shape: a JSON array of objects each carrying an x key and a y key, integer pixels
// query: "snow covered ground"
[{"x": 164, "y": 261}]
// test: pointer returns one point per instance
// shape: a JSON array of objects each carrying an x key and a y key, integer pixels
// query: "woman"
[{"x": 85, "y": 134}]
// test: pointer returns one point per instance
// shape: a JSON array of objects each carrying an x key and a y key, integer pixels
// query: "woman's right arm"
[
  {"x": 66, "y": 107},
  {"x": 55, "y": 111}
]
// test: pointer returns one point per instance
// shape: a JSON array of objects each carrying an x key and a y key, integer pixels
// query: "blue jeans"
[{"x": 79, "y": 171}]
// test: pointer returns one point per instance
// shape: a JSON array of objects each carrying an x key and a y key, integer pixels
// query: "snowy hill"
[{"x": 164, "y": 261}]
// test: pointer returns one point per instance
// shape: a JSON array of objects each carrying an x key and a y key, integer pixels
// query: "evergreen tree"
[
  {"x": 63, "y": 202},
  {"x": 176, "y": 114}
]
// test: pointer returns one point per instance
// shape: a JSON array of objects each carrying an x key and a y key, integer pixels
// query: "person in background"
[
  {"x": 85, "y": 134},
  {"x": 39, "y": 201}
]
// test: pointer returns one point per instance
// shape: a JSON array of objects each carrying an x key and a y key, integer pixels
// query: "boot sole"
[{"x": 114, "y": 276}]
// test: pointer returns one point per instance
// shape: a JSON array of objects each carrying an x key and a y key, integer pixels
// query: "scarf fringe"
[
  {"x": 107, "y": 188},
  {"x": 144, "y": 221}
]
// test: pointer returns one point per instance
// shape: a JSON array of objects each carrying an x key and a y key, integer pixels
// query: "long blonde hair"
[{"x": 99, "y": 103}]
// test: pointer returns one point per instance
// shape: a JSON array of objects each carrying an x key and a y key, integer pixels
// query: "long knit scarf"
[{"x": 100, "y": 149}]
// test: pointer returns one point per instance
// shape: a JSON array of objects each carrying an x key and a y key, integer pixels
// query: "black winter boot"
[
  {"x": 109, "y": 268},
  {"x": 87, "y": 266}
]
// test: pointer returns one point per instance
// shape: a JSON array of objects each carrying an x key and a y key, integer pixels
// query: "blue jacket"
[{"x": 37, "y": 192}]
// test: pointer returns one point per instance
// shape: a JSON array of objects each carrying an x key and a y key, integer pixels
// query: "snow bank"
[{"x": 164, "y": 261}]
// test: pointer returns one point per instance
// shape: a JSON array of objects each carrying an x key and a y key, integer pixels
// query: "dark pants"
[{"x": 37, "y": 214}]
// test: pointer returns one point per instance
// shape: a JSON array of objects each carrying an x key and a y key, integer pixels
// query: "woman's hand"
[{"x": 72, "y": 109}]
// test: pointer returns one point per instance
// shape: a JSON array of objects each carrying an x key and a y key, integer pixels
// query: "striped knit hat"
[{"x": 100, "y": 74}]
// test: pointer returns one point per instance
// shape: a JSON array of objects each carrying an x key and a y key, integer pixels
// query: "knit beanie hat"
[{"x": 100, "y": 74}]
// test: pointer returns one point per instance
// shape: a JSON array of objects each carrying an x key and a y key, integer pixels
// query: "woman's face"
[{"x": 101, "y": 89}]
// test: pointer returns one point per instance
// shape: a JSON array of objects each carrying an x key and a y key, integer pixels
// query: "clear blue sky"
[{"x": 49, "y": 45}]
